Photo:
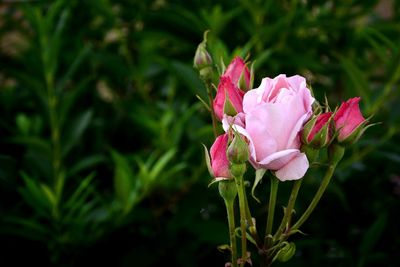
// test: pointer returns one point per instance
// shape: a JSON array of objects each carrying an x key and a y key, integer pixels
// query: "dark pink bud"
[
  {"x": 239, "y": 73},
  {"x": 318, "y": 132},
  {"x": 349, "y": 122},
  {"x": 229, "y": 98},
  {"x": 219, "y": 160}
]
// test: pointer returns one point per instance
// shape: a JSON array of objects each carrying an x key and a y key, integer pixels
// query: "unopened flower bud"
[
  {"x": 219, "y": 162},
  {"x": 349, "y": 122},
  {"x": 317, "y": 132},
  {"x": 202, "y": 58},
  {"x": 238, "y": 151}
]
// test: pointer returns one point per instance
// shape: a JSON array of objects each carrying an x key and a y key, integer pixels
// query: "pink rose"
[
  {"x": 229, "y": 98},
  {"x": 349, "y": 121},
  {"x": 219, "y": 160},
  {"x": 274, "y": 115}
]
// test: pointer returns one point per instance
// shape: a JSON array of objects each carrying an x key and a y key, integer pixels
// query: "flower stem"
[
  {"x": 271, "y": 210},
  {"x": 242, "y": 208},
  {"x": 232, "y": 235},
  {"x": 317, "y": 197},
  {"x": 252, "y": 226},
  {"x": 211, "y": 99},
  {"x": 289, "y": 209}
]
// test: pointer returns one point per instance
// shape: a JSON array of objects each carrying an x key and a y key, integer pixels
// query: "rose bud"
[
  {"x": 229, "y": 99},
  {"x": 219, "y": 161},
  {"x": 202, "y": 58},
  {"x": 349, "y": 122},
  {"x": 238, "y": 150},
  {"x": 239, "y": 74},
  {"x": 317, "y": 132}
]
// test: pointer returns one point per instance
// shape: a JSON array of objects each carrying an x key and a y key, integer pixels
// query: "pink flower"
[
  {"x": 219, "y": 160},
  {"x": 229, "y": 98},
  {"x": 275, "y": 114},
  {"x": 349, "y": 121},
  {"x": 317, "y": 131}
]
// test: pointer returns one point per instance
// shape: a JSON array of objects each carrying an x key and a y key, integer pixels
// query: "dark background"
[{"x": 101, "y": 160}]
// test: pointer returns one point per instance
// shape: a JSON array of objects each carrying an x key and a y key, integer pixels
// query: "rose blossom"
[{"x": 274, "y": 115}]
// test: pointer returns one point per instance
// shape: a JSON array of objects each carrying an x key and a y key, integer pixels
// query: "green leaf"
[
  {"x": 69, "y": 98},
  {"x": 49, "y": 193},
  {"x": 161, "y": 164},
  {"x": 76, "y": 129},
  {"x": 86, "y": 163},
  {"x": 79, "y": 192},
  {"x": 123, "y": 178},
  {"x": 35, "y": 196},
  {"x": 73, "y": 67}
]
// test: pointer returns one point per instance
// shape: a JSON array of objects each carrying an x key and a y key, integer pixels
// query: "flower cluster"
[
  {"x": 280, "y": 129},
  {"x": 277, "y": 120}
]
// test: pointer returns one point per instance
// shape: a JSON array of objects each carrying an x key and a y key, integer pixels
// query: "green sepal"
[
  {"x": 229, "y": 109},
  {"x": 238, "y": 150},
  {"x": 238, "y": 233},
  {"x": 286, "y": 252},
  {"x": 217, "y": 179},
  {"x": 259, "y": 175},
  {"x": 224, "y": 247},
  {"x": 208, "y": 160}
]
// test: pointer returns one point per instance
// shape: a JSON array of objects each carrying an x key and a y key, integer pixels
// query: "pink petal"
[
  {"x": 219, "y": 161},
  {"x": 252, "y": 98},
  {"x": 264, "y": 143},
  {"x": 279, "y": 159},
  {"x": 227, "y": 89},
  {"x": 296, "y": 82},
  {"x": 295, "y": 169},
  {"x": 235, "y": 70}
]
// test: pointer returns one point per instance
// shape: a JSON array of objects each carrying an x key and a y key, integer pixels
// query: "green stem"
[
  {"x": 289, "y": 209},
  {"x": 232, "y": 234},
  {"x": 271, "y": 211},
  {"x": 317, "y": 197},
  {"x": 211, "y": 100},
  {"x": 52, "y": 103},
  {"x": 242, "y": 208},
  {"x": 252, "y": 227}
]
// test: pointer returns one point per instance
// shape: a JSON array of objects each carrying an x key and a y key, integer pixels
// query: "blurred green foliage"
[{"x": 100, "y": 129}]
